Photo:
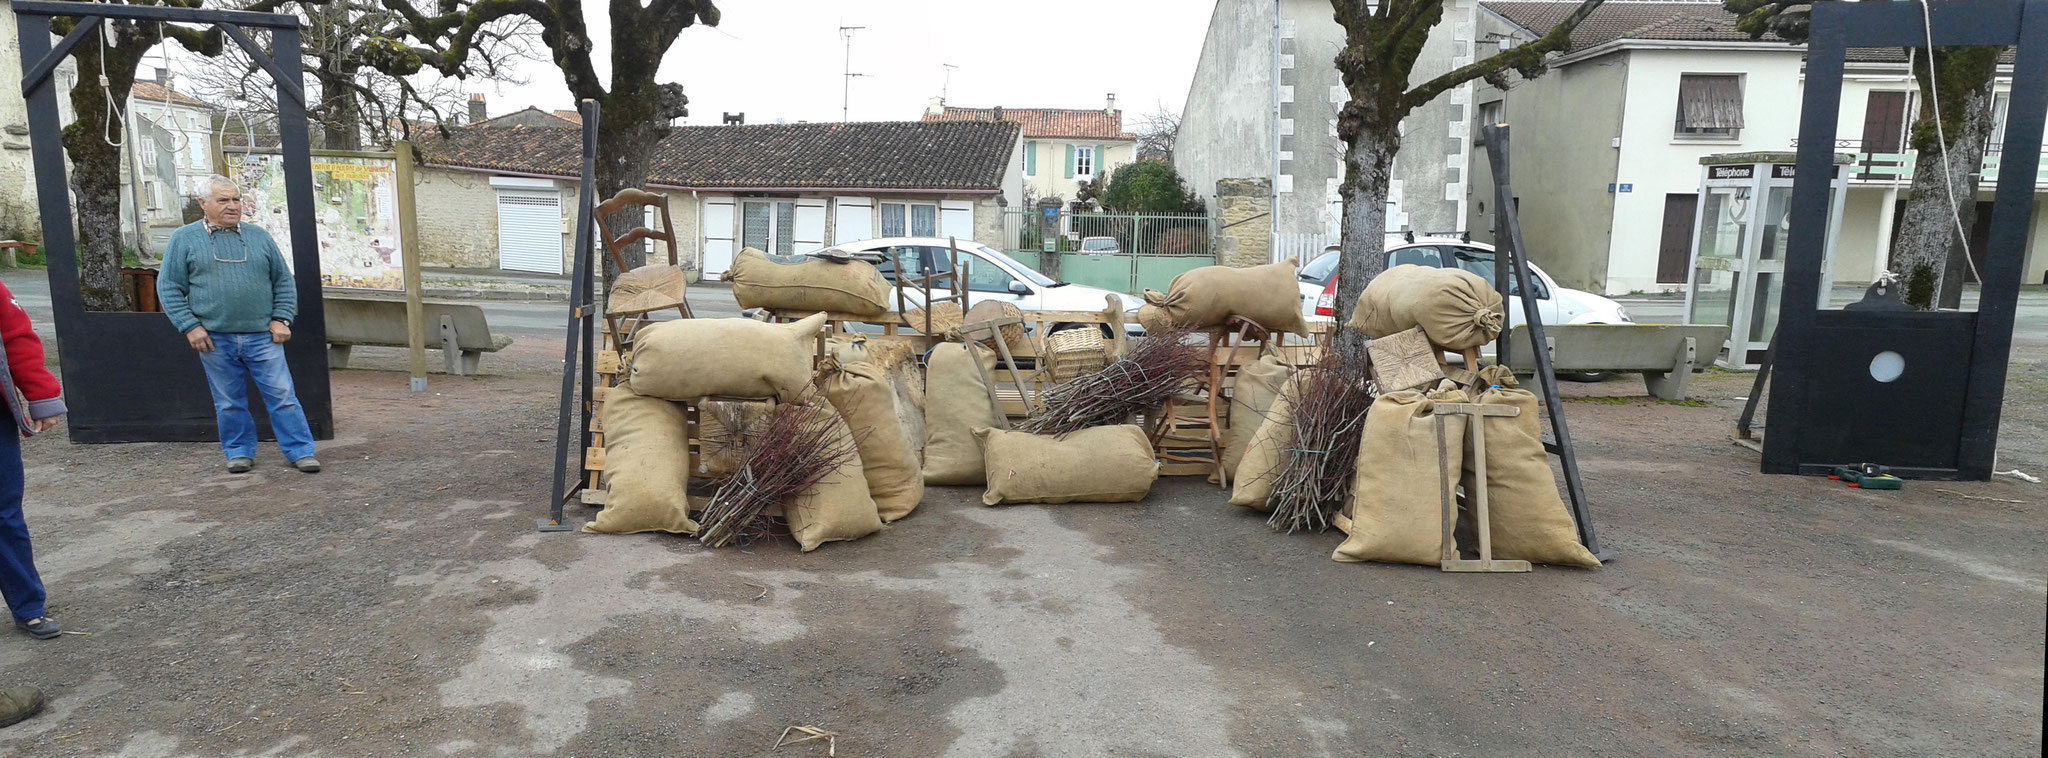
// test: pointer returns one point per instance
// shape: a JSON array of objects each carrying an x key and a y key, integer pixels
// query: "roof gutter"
[
  {"x": 1617, "y": 45},
  {"x": 702, "y": 188}
]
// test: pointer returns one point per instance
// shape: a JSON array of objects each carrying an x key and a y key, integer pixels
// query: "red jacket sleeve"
[{"x": 25, "y": 356}]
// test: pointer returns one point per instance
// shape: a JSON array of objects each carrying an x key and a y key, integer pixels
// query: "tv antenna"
[
  {"x": 947, "y": 82},
  {"x": 846, "y": 89}
]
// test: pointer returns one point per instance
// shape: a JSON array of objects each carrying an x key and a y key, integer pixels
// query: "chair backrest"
[{"x": 630, "y": 199}]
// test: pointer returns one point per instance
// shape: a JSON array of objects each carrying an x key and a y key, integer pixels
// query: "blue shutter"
[
  {"x": 1030, "y": 159},
  {"x": 1101, "y": 161},
  {"x": 1070, "y": 160}
]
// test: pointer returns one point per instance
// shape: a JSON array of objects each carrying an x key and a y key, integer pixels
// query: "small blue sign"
[
  {"x": 1610, "y": 188},
  {"x": 1052, "y": 214},
  {"x": 1628, "y": 188}
]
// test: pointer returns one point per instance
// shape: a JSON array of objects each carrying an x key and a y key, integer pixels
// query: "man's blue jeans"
[{"x": 236, "y": 359}]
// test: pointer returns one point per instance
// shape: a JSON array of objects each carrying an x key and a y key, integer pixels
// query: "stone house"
[
  {"x": 1063, "y": 148},
  {"x": 503, "y": 197}
]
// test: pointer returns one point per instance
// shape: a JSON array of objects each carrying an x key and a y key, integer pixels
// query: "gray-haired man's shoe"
[
  {"x": 19, "y": 703},
  {"x": 308, "y": 464},
  {"x": 240, "y": 465}
]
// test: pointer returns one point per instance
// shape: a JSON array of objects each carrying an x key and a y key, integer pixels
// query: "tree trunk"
[
  {"x": 1373, "y": 136},
  {"x": 1928, "y": 235},
  {"x": 340, "y": 111},
  {"x": 96, "y": 171},
  {"x": 623, "y": 147}
]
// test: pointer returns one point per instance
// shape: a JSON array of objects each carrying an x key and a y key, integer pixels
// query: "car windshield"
[
  {"x": 1318, "y": 271},
  {"x": 1481, "y": 262},
  {"x": 1098, "y": 243},
  {"x": 1028, "y": 272}
]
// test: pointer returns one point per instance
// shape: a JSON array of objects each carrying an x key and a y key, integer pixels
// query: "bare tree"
[
  {"x": 1382, "y": 39},
  {"x": 1929, "y": 254},
  {"x": 1156, "y": 134},
  {"x": 636, "y": 110}
]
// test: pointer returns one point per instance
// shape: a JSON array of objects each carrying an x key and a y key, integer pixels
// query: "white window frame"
[
  {"x": 775, "y": 242},
  {"x": 1084, "y": 162},
  {"x": 909, "y": 218}
]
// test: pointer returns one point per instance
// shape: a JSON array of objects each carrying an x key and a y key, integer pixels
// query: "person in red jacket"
[{"x": 35, "y": 402}]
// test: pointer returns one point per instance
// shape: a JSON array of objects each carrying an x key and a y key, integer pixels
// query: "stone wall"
[
  {"x": 1243, "y": 229},
  {"x": 458, "y": 219}
]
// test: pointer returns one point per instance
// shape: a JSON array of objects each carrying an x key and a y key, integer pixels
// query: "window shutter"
[
  {"x": 1030, "y": 159},
  {"x": 1070, "y": 160},
  {"x": 1101, "y": 166}
]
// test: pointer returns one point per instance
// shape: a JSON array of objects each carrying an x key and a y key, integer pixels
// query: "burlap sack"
[
  {"x": 1398, "y": 493},
  {"x": 1528, "y": 519},
  {"x": 1208, "y": 296},
  {"x": 864, "y": 398},
  {"x": 646, "y": 466},
  {"x": 847, "y": 348},
  {"x": 956, "y": 403},
  {"x": 1267, "y": 452},
  {"x": 722, "y": 427},
  {"x": 814, "y": 285},
  {"x": 1250, "y": 398},
  {"x": 1104, "y": 464},
  {"x": 1456, "y": 308},
  {"x": 839, "y": 508},
  {"x": 691, "y": 358}
]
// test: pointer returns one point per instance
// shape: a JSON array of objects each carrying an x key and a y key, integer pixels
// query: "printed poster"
[{"x": 355, "y": 208}]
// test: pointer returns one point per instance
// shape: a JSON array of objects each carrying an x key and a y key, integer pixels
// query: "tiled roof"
[
  {"x": 878, "y": 155},
  {"x": 569, "y": 116},
  {"x": 153, "y": 92},
  {"x": 1700, "y": 21},
  {"x": 1047, "y": 122},
  {"x": 530, "y": 116}
]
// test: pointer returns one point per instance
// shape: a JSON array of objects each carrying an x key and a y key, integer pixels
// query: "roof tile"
[{"x": 1047, "y": 122}]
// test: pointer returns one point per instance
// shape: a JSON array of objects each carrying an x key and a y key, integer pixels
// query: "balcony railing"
[{"x": 1897, "y": 167}]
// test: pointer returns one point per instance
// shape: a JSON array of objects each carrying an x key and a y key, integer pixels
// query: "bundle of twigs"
[
  {"x": 785, "y": 454},
  {"x": 1315, "y": 476},
  {"x": 1159, "y": 365}
]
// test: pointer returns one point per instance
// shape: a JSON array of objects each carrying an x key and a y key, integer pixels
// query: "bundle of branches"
[
  {"x": 1160, "y": 365},
  {"x": 785, "y": 454},
  {"x": 1315, "y": 476}
]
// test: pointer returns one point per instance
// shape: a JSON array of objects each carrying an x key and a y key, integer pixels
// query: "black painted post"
[{"x": 309, "y": 332}]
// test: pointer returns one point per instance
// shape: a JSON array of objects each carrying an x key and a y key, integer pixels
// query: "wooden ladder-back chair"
[{"x": 647, "y": 289}]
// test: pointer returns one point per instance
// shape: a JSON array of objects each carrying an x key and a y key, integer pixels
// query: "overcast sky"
[{"x": 783, "y": 58}]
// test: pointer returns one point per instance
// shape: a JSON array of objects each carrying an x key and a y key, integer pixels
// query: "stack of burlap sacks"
[
  {"x": 1395, "y": 514},
  {"x": 872, "y": 391}
]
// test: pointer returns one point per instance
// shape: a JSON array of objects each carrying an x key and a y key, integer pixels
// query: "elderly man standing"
[{"x": 225, "y": 286}]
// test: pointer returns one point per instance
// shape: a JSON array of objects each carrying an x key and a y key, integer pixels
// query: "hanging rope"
[
  {"x": 1948, "y": 176},
  {"x": 106, "y": 89}
]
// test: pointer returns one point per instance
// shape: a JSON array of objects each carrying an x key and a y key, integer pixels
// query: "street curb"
[{"x": 561, "y": 296}]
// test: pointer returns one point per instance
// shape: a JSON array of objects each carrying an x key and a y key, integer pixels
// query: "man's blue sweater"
[{"x": 231, "y": 281}]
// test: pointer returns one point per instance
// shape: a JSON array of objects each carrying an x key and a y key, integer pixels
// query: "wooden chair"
[
  {"x": 647, "y": 289},
  {"x": 1189, "y": 429}
]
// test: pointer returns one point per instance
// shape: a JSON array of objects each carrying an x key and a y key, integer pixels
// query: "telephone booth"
[{"x": 1740, "y": 240}]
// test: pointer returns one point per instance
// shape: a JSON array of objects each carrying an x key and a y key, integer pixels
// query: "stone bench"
[
  {"x": 1667, "y": 355},
  {"x": 463, "y": 334}
]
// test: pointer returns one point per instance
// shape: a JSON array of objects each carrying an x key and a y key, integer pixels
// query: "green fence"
[{"x": 1151, "y": 249}]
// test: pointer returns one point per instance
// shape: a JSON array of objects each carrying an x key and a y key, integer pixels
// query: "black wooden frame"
[
  {"x": 1983, "y": 339},
  {"x": 131, "y": 377},
  {"x": 575, "y": 405}
]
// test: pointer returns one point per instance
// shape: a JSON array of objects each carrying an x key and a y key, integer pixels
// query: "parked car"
[
  {"x": 1554, "y": 304},
  {"x": 991, "y": 275},
  {"x": 1100, "y": 246}
]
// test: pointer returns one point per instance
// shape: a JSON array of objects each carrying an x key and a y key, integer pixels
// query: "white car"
[
  {"x": 991, "y": 275},
  {"x": 1554, "y": 304}
]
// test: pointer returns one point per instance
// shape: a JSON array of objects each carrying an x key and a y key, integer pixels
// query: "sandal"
[{"x": 41, "y": 627}]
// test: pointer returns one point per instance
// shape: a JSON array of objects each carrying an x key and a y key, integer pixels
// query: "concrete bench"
[
  {"x": 459, "y": 330},
  {"x": 1666, "y": 354}
]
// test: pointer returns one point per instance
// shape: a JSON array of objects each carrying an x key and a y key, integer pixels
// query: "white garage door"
[{"x": 530, "y": 230}]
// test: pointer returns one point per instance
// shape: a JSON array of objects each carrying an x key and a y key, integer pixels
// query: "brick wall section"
[
  {"x": 458, "y": 219},
  {"x": 1244, "y": 233}
]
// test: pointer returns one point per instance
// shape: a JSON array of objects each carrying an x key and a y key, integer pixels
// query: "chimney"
[
  {"x": 1111, "y": 109},
  {"x": 735, "y": 119},
  {"x": 937, "y": 106},
  {"x": 478, "y": 112},
  {"x": 163, "y": 76},
  {"x": 996, "y": 113}
]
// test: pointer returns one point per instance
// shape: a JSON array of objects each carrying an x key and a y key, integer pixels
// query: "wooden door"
[{"x": 1674, "y": 253}]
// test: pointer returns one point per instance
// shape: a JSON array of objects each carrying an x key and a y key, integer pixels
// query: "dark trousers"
[{"x": 18, "y": 578}]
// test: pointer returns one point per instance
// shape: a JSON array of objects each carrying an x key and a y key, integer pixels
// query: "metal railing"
[{"x": 1897, "y": 167}]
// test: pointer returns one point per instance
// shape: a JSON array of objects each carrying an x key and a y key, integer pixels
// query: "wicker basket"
[
  {"x": 945, "y": 316},
  {"x": 1075, "y": 353},
  {"x": 990, "y": 310}
]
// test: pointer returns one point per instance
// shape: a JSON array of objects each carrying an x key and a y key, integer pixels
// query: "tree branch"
[{"x": 1526, "y": 59}]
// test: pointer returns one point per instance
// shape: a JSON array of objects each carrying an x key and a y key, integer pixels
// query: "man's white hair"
[{"x": 217, "y": 181}]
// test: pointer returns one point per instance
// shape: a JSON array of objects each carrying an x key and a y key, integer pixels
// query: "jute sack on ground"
[
  {"x": 1398, "y": 492},
  {"x": 1251, "y": 397},
  {"x": 814, "y": 285},
  {"x": 956, "y": 403},
  {"x": 1456, "y": 308},
  {"x": 839, "y": 507},
  {"x": 1267, "y": 452},
  {"x": 1529, "y": 520},
  {"x": 897, "y": 359},
  {"x": 646, "y": 466},
  {"x": 864, "y": 398},
  {"x": 1208, "y": 296},
  {"x": 691, "y": 358},
  {"x": 1104, "y": 464}
]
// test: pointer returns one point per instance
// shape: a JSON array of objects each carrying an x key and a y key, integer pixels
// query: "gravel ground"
[{"x": 401, "y": 604}]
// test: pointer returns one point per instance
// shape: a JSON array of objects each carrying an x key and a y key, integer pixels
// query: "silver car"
[{"x": 991, "y": 275}]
